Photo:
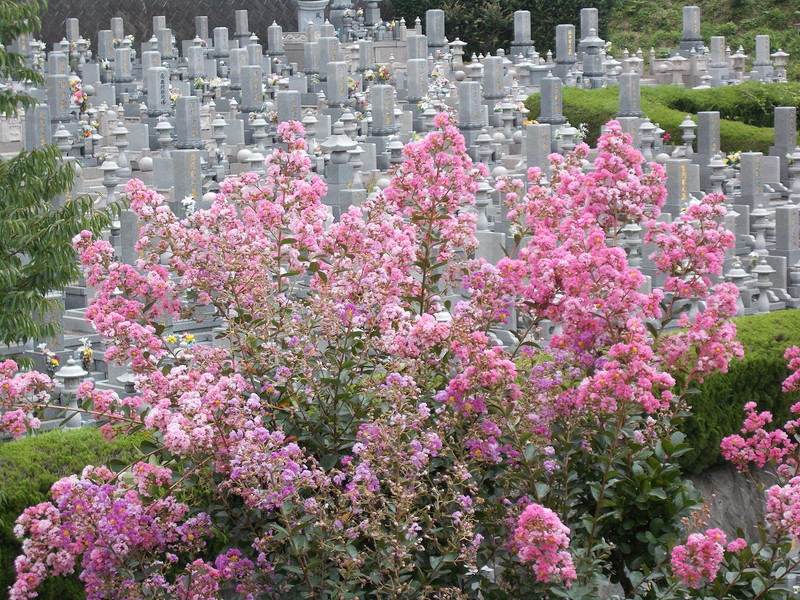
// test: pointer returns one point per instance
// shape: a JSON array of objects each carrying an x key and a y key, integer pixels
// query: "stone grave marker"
[
  {"x": 288, "y": 106},
  {"x": 37, "y": 127},
  {"x": 187, "y": 123}
]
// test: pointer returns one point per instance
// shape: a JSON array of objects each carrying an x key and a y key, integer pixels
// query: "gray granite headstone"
[
  {"x": 708, "y": 134},
  {"x": 493, "y": 79},
  {"x": 117, "y": 28},
  {"x": 129, "y": 235},
  {"x": 589, "y": 21},
  {"x": 417, "y": 46},
  {"x": 522, "y": 43},
  {"x": 237, "y": 60},
  {"x": 337, "y": 83},
  {"x": 58, "y": 95},
  {"x": 565, "y": 50},
  {"x": 91, "y": 74},
  {"x": 288, "y": 105},
  {"x": 242, "y": 25},
  {"x": 366, "y": 55},
  {"x": 538, "y": 140},
  {"x": 37, "y": 127},
  {"x": 275, "y": 40},
  {"x": 201, "y": 27},
  {"x": 787, "y": 232},
  {"x": 150, "y": 60},
  {"x": 234, "y": 131},
  {"x": 164, "y": 43},
  {"x": 104, "y": 94},
  {"x": 197, "y": 63},
  {"x": 105, "y": 44},
  {"x": 57, "y": 63},
  {"x": 122, "y": 65},
  {"x": 328, "y": 53},
  {"x": 221, "y": 42},
  {"x": 434, "y": 30},
  {"x": 73, "y": 30},
  {"x": 311, "y": 58},
  {"x": 551, "y": 105},
  {"x": 383, "y": 121},
  {"x": 188, "y": 175},
  {"x": 158, "y": 91},
  {"x": 470, "y": 114},
  {"x": 630, "y": 102},
  {"x": 750, "y": 182},
  {"x": 187, "y": 123},
  {"x": 252, "y": 94},
  {"x": 417, "y": 79},
  {"x": 762, "y": 50},
  {"x": 255, "y": 55},
  {"x": 786, "y": 127},
  {"x": 691, "y": 38},
  {"x": 677, "y": 185}
]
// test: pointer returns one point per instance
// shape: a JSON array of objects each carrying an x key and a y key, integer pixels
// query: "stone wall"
[{"x": 736, "y": 500}]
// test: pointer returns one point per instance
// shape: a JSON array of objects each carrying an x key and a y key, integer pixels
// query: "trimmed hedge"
[
  {"x": 718, "y": 407},
  {"x": 28, "y": 467},
  {"x": 746, "y": 110}
]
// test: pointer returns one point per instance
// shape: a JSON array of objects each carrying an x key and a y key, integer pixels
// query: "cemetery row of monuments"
[{"x": 183, "y": 115}]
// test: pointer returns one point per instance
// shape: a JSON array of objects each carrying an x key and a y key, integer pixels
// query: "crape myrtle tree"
[
  {"x": 355, "y": 431},
  {"x": 36, "y": 254}
]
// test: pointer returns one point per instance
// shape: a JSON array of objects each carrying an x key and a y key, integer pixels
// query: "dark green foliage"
[
  {"x": 643, "y": 23},
  {"x": 28, "y": 467},
  {"x": 717, "y": 409},
  {"x": 36, "y": 255},
  {"x": 17, "y": 18},
  {"x": 746, "y": 110},
  {"x": 489, "y": 24}
]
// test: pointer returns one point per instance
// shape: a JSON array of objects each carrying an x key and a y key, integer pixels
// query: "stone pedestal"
[{"x": 310, "y": 10}]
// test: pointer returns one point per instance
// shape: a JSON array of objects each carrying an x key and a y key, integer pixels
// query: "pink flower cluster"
[
  {"x": 111, "y": 528},
  {"x": 700, "y": 558},
  {"x": 542, "y": 540},
  {"x": 759, "y": 446},
  {"x": 20, "y": 395},
  {"x": 783, "y": 507}
]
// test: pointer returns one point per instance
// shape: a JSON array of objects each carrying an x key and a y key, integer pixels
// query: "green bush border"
[
  {"x": 28, "y": 468},
  {"x": 717, "y": 408},
  {"x": 746, "y": 110}
]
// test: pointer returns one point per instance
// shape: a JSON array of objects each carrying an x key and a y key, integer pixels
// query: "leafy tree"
[{"x": 36, "y": 256}]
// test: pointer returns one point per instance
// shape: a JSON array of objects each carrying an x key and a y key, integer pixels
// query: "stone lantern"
[
  {"x": 647, "y": 133},
  {"x": 688, "y": 127},
  {"x": 717, "y": 167},
  {"x": 110, "y": 180},
  {"x": 164, "y": 131},
  {"x": 120, "y": 134},
  {"x": 63, "y": 140},
  {"x": 763, "y": 271},
  {"x": 779, "y": 59},
  {"x": 70, "y": 376},
  {"x": 737, "y": 276},
  {"x": 738, "y": 63},
  {"x": 338, "y": 145}
]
